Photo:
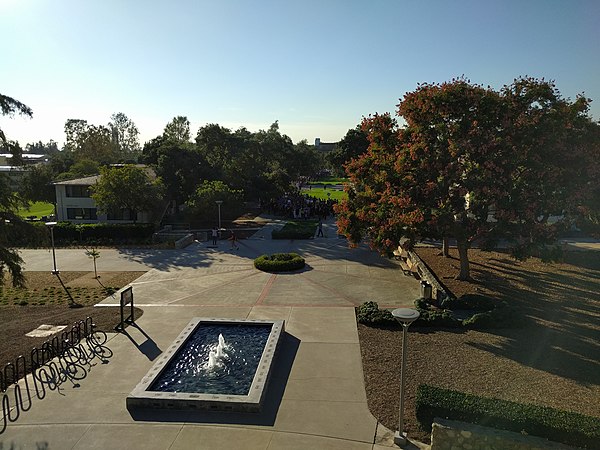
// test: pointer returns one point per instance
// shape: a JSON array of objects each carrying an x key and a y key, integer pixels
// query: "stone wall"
[
  {"x": 454, "y": 435},
  {"x": 437, "y": 290},
  {"x": 184, "y": 241}
]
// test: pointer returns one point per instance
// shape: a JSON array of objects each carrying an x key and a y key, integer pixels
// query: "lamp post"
[
  {"x": 219, "y": 203},
  {"x": 51, "y": 226},
  {"x": 404, "y": 316}
]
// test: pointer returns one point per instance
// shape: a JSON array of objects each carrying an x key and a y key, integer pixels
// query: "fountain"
[{"x": 214, "y": 364}]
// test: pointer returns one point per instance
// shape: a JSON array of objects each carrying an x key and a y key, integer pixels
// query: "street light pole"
[
  {"x": 51, "y": 226},
  {"x": 404, "y": 316},
  {"x": 219, "y": 202}
]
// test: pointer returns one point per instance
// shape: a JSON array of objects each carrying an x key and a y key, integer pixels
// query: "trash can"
[{"x": 425, "y": 290}]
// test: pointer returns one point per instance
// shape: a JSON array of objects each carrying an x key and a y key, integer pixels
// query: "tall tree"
[
  {"x": 11, "y": 225},
  {"x": 178, "y": 130},
  {"x": 126, "y": 187},
  {"x": 352, "y": 145},
  {"x": 125, "y": 136},
  {"x": 473, "y": 164},
  {"x": 37, "y": 186},
  {"x": 9, "y": 107},
  {"x": 92, "y": 142}
]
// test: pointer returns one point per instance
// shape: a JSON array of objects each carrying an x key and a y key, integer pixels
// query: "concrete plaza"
[{"x": 316, "y": 398}]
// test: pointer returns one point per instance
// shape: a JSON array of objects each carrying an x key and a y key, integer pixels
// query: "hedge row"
[
  {"x": 487, "y": 313},
  {"x": 279, "y": 262},
  {"x": 553, "y": 424},
  {"x": 66, "y": 233}
]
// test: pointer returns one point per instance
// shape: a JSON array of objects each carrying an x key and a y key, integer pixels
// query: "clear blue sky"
[{"x": 317, "y": 66}]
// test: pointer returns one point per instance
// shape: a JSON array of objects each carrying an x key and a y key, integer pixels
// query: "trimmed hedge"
[
  {"x": 553, "y": 424},
  {"x": 369, "y": 314},
  {"x": 67, "y": 233},
  {"x": 279, "y": 262},
  {"x": 487, "y": 313}
]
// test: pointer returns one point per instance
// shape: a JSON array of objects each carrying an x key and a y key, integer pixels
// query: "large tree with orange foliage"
[{"x": 475, "y": 165}]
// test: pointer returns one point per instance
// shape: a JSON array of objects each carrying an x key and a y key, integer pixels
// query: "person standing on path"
[
  {"x": 320, "y": 232},
  {"x": 233, "y": 240},
  {"x": 215, "y": 235}
]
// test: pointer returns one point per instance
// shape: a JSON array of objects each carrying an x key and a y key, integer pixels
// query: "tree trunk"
[
  {"x": 463, "y": 248},
  {"x": 445, "y": 248}
]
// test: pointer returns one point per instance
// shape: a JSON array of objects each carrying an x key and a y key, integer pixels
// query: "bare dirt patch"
[
  {"x": 552, "y": 360},
  {"x": 44, "y": 301}
]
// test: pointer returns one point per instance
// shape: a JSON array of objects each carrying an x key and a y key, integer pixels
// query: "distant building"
[
  {"x": 74, "y": 203},
  {"x": 324, "y": 146},
  {"x": 28, "y": 158}
]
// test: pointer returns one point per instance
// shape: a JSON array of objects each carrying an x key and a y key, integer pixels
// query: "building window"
[
  {"x": 78, "y": 191},
  {"x": 81, "y": 214},
  {"x": 124, "y": 214}
]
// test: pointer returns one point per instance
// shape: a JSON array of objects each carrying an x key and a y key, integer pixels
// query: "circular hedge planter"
[{"x": 279, "y": 262}]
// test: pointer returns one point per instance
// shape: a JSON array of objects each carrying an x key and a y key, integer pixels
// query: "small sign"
[
  {"x": 126, "y": 299},
  {"x": 127, "y": 296}
]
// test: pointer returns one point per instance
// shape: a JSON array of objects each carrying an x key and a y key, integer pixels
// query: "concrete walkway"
[{"x": 316, "y": 399}]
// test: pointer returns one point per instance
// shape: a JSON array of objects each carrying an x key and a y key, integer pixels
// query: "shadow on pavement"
[
  {"x": 274, "y": 395},
  {"x": 148, "y": 347}
]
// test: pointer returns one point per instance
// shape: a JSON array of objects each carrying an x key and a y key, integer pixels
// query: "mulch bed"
[
  {"x": 16, "y": 321},
  {"x": 552, "y": 360}
]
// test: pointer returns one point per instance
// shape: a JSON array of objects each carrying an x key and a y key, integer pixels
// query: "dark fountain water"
[{"x": 216, "y": 359}]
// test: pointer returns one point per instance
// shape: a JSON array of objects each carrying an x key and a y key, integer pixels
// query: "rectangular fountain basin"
[{"x": 159, "y": 389}]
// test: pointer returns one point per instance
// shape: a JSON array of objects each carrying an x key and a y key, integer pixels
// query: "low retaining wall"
[
  {"x": 437, "y": 290},
  {"x": 184, "y": 241},
  {"x": 454, "y": 435}
]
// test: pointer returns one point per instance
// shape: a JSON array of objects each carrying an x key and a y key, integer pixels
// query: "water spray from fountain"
[{"x": 216, "y": 356}]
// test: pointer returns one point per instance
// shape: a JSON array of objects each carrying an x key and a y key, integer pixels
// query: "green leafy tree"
[
  {"x": 37, "y": 186},
  {"x": 125, "y": 136},
  {"x": 203, "y": 203},
  {"x": 352, "y": 145},
  {"x": 12, "y": 227},
  {"x": 178, "y": 130},
  {"x": 9, "y": 107},
  {"x": 50, "y": 148},
  {"x": 179, "y": 165},
  {"x": 90, "y": 142},
  {"x": 126, "y": 187},
  {"x": 472, "y": 164},
  {"x": 94, "y": 254}
]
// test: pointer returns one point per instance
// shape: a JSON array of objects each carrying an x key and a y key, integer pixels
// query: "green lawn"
[
  {"x": 322, "y": 193},
  {"x": 37, "y": 209},
  {"x": 330, "y": 180}
]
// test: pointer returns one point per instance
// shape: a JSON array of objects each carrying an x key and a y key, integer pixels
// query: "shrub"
[
  {"x": 556, "y": 425},
  {"x": 67, "y": 233},
  {"x": 487, "y": 313},
  {"x": 369, "y": 314},
  {"x": 279, "y": 262}
]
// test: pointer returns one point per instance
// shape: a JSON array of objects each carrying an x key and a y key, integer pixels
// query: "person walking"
[
  {"x": 233, "y": 240},
  {"x": 215, "y": 235},
  {"x": 320, "y": 229}
]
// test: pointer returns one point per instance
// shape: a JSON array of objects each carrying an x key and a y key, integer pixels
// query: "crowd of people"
[{"x": 300, "y": 206}]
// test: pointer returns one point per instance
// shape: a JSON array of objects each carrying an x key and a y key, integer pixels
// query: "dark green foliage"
[
  {"x": 486, "y": 313},
  {"x": 279, "y": 262},
  {"x": 556, "y": 425},
  {"x": 369, "y": 314},
  {"x": 296, "y": 230},
  {"x": 66, "y": 233},
  {"x": 469, "y": 301}
]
